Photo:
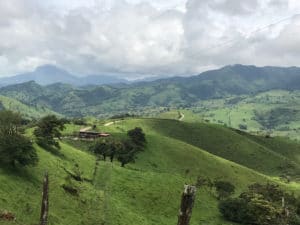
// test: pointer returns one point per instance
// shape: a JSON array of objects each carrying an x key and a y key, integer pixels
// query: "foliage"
[
  {"x": 14, "y": 147},
  {"x": 137, "y": 136},
  {"x": 48, "y": 130},
  {"x": 79, "y": 121},
  {"x": 101, "y": 147},
  {"x": 262, "y": 205},
  {"x": 127, "y": 153},
  {"x": 124, "y": 150},
  {"x": 224, "y": 188},
  {"x": 10, "y": 122},
  {"x": 243, "y": 127}
]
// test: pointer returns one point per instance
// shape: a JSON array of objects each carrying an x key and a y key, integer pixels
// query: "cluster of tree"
[
  {"x": 262, "y": 205},
  {"x": 79, "y": 121},
  {"x": 124, "y": 151},
  {"x": 122, "y": 116},
  {"x": 243, "y": 126},
  {"x": 48, "y": 131},
  {"x": 15, "y": 148}
]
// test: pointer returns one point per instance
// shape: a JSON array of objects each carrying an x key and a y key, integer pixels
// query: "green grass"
[
  {"x": 227, "y": 144},
  {"x": 21, "y": 190},
  {"x": 25, "y": 110},
  {"x": 274, "y": 111},
  {"x": 148, "y": 191}
]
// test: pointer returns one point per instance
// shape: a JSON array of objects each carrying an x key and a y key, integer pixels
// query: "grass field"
[
  {"x": 275, "y": 112},
  {"x": 148, "y": 191}
]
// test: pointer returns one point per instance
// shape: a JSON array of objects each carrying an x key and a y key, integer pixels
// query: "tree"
[
  {"x": 10, "y": 122},
  {"x": 137, "y": 136},
  {"x": 127, "y": 153},
  {"x": 14, "y": 147},
  {"x": 115, "y": 146},
  {"x": 48, "y": 129},
  {"x": 101, "y": 147},
  {"x": 262, "y": 205}
]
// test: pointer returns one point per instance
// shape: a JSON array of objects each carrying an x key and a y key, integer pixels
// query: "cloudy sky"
[{"x": 138, "y": 38}]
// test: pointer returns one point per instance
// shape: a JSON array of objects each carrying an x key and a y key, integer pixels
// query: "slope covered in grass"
[
  {"x": 20, "y": 191},
  {"x": 281, "y": 145},
  {"x": 227, "y": 144},
  {"x": 25, "y": 110},
  {"x": 146, "y": 192}
]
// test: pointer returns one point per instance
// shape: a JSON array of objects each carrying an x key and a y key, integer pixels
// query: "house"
[{"x": 92, "y": 134}]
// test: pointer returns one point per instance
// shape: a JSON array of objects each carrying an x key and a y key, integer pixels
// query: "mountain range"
[
  {"x": 50, "y": 74},
  {"x": 173, "y": 92},
  {"x": 240, "y": 98}
]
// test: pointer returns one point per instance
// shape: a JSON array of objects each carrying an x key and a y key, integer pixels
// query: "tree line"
[
  {"x": 17, "y": 149},
  {"x": 123, "y": 150}
]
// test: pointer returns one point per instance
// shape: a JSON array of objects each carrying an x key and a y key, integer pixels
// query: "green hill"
[
  {"x": 28, "y": 112},
  {"x": 148, "y": 191},
  {"x": 253, "y": 99},
  {"x": 176, "y": 92}
]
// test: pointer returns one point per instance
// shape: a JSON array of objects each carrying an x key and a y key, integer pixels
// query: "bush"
[
  {"x": 233, "y": 209},
  {"x": 224, "y": 189},
  {"x": 14, "y": 147},
  {"x": 48, "y": 130},
  {"x": 261, "y": 205},
  {"x": 137, "y": 136},
  {"x": 243, "y": 126}
]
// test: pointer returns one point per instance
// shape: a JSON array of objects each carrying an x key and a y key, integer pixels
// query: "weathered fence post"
[
  {"x": 187, "y": 203},
  {"x": 45, "y": 201}
]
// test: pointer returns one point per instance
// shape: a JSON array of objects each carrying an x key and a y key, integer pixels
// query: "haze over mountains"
[
  {"x": 50, "y": 74},
  {"x": 275, "y": 77}
]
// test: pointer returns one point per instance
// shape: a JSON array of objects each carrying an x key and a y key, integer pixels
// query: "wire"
[{"x": 254, "y": 32}]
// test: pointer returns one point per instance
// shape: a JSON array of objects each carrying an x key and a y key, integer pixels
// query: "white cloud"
[{"x": 146, "y": 37}]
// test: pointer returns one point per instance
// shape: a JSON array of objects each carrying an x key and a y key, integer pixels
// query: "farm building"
[{"x": 92, "y": 134}]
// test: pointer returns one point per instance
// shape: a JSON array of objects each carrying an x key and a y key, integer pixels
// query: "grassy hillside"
[
  {"x": 25, "y": 110},
  {"x": 275, "y": 111},
  {"x": 230, "y": 145},
  {"x": 148, "y": 191}
]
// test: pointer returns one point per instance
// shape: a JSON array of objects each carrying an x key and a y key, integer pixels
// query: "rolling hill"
[
  {"x": 28, "y": 112},
  {"x": 172, "y": 92},
  {"x": 147, "y": 191},
  {"x": 253, "y": 99}
]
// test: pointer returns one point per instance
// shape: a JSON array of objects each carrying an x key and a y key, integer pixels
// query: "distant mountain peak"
[
  {"x": 49, "y": 68},
  {"x": 50, "y": 74}
]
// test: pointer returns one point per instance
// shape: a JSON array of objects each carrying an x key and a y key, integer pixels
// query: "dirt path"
[
  {"x": 85, "y": 129},
  {"x": 111, "y": 123},
  {"x": 181, "y": 116}
]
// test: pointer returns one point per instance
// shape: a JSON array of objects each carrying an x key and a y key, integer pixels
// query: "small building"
[{"x": 92, "y": 134}]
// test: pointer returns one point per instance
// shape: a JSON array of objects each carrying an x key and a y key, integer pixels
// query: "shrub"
[
  {"x": 14, "y": 147},
  {"x": 48, "y": 130},
  {"x": 224, "y": 189},
  {"x": 137, "y": 136},
  {"x": 262, "y": 205}
]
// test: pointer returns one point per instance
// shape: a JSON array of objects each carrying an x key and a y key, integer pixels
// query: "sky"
[{"x": 138, "y": 38}]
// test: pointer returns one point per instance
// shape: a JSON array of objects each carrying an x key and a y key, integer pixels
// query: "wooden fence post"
[
  {"x": 45, "y": 201},
  {"x": 187, "y": 203}
]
